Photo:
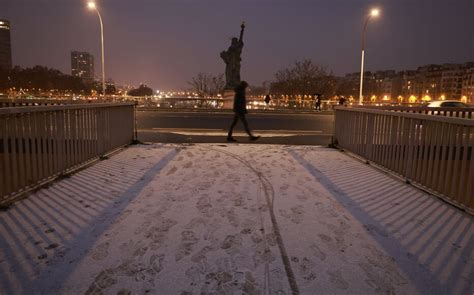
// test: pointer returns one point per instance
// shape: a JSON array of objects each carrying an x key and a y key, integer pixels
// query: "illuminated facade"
[
  {"x": 82, "y": 65},
  {"x": 451, "y": 80},
  {"x": 467, "y": 91},
  {"x": 5, "y": 45},
  {"x": 426, "y": 83}
]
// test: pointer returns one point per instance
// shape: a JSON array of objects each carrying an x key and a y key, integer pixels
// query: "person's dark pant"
[{"x": 240, "y": 116}]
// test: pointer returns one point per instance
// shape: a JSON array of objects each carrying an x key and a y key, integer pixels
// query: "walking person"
[
  {"x": 267, "y": 101},
  {"x": 342, "y": 100},
  {"x": 318, "y": 102},
  {"x": 240, "y": 109}
]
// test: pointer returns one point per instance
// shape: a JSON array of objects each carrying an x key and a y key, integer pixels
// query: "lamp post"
[
  {"x": 92, "y": 6},
  {"x": 373, "y": 13}
]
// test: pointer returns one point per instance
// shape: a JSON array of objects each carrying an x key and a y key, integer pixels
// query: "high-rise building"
[
  {"x": 82, "y": 65},
  {"x": 5, "y": 45}
]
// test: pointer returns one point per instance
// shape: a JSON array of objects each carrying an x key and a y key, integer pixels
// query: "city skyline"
[
  {"x": 5, "y": 45},
  {"x": 167, "y": 48}
]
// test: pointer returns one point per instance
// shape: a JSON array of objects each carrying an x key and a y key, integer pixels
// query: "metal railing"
[
  {"x": 435, "y": 152},
  {"x": 443, "y": 111},
  {"x": 23, "y": 102},
  {"x": 253, "y": 103},
  {"x": 42, "y": 142}
]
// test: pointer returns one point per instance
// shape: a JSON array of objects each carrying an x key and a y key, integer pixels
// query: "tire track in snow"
[{"x": 270, "y": 198}]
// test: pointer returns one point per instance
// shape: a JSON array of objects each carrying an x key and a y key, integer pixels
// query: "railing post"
[{"x": 39, "y": 143}]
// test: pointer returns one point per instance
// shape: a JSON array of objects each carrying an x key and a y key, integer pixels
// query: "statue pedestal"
[{"x": 228, "y": 98}]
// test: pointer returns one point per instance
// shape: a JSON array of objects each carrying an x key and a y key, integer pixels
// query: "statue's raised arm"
[
  {"x": 232, "y": 60},
  {"x": 242, "y": 28}
]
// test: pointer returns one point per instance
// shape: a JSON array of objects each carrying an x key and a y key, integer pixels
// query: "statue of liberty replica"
[{"x": 232, "y": 60}]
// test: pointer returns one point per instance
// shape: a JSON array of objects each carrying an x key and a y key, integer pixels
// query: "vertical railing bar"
[
  {"x": 470, "y": 182},
  {"x": 427, "y": 152},
  {"x": 78, "y": 137},
  {"x": 411, "y": 145},
  {"x": 13, "y": 154},
  {"x": 435, "y": 162},
  {"x": 50, "y": 134},
  {"x": 56, "y": 142},
  {"x": 3, "y": 157},
  {"x": 9, "y": 187},
  {"x": 35, "y": 147},
  {"x": 449, "y": 163},
  {"x": 421, "y": 150},
  {"x": 388, "y": 131},
  {"x": 22, "y": 179},
  {"x": 457, "y": 159},
  {"x": 61, "y": 141},
  {"x": 394, "y": 142},
  {"x": 464, "y": 172},
  {"x": 441, "y": 177},
  {"x": 376, "y": 138},
  {"x": 73, "y": 137}
]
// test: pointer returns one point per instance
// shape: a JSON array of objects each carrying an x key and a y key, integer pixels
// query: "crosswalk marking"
[{"x": 223, "y": 132}]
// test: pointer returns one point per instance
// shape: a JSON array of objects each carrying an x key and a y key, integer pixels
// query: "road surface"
[{"x": 211, "y": 127}]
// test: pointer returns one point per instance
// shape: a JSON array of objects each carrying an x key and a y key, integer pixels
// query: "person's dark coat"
[
  {"x": 267, "y": 99},
  {"x": 240, "y": 102}
]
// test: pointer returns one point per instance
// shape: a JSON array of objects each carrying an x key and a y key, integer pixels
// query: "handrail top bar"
[
  {"x": 453, "y": 120},
  {"x": 35, "y": 109},
  {"x": 438, "y": 109}
]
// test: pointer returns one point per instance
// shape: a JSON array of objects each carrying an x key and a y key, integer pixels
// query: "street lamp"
[
  {"x": 373, "y": 13},
  {"x": 93, "y": 6}
]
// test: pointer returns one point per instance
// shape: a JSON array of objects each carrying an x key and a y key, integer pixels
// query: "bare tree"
[
  {"x": 217, "y": 85},
  {"x": 257, "y": 90},
  {"x": 207, "y": 85},
  {"x": 303, "y": 78}
]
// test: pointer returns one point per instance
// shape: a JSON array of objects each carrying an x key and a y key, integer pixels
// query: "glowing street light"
[
  {"x": 373, "y": 13},
  {"x": 92, "y": 6}
]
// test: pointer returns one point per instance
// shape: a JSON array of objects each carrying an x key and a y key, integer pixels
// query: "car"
[{"x": 447, "y": 104}]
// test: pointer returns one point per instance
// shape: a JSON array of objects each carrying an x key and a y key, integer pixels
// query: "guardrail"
[
  {"x": 23, "y": 102},
  {"x": 435, "y": 152},
  {"x": 219, "y": 103},
  {"x": 43, "y": 142},
  {"x": 467, "y": 113}
]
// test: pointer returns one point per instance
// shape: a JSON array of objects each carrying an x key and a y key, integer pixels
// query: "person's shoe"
[
  {"x": 254, "y": 137},
  {"x": 231, "y": 139}
]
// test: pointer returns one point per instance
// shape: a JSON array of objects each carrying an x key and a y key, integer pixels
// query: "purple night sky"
[{"x": 164, "y": 43}]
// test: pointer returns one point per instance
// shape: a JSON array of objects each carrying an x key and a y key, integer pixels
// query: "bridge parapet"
[
  {"x": 467, "y": 113},
  {"x": 42, "y": 142},
  {"x": 432, "y": 151}
]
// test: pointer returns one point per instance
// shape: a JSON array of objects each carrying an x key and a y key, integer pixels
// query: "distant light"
[
  {"x": 375, "y": 12},
  {"x": 1, "y": 23},
  {"x": 91, "y": 5}
]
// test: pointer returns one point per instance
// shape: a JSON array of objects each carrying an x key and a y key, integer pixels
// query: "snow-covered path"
[{"x": 234, "y": 219}]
